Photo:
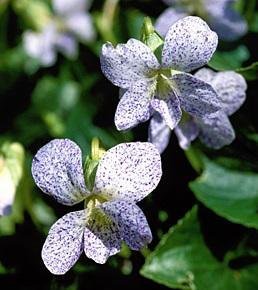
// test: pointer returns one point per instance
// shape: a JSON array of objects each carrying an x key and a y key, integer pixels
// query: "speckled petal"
[
  {"x": 67, "y": 7},
  {"x": 57, "y": 171},
  {"x": 227, "y": 22},
  {"x": 101, "y": 237},
  {"x": 64, "y": 243},
  {"x": 216, "y": 130},
  {"x": 205, "y": 74},
  {"x": 131, "y": 222},
  {"x": 167, "y": 18},
  {"x": 134, "y": 106},
  {"x": 231, "y": 89},
  {"x": 186, "y": 132},
  {"x": 159, "y": 133},
  {"x": 196, "y": 97},
  {"x": 189, "y": 44},
  {"x": 127, "y": 63},
  {"x": 169, "y": 109},
  {"x": 81, "y": 25},
  {"x": 129, "y": 171}
]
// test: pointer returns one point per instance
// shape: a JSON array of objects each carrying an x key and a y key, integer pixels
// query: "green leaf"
[
  {"x": 250, "y": 72},
  {"x": 182, "y": 260},
  {"x": 254, "y": 23},
  {"x": 229, "y": 60},
  {"x": 231, "y": 194}
]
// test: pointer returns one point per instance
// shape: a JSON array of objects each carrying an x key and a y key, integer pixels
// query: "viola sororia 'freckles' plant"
[
  {"x": 164, "y": 88},
  {"x": 214, "y": 130},
  {"x": 125, "y": 175},
  {"x": 69, "y": 22},
  {"x": 219, "y": 14}
]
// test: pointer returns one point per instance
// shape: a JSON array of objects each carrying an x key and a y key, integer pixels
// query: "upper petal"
[
  {"x": 127, "y": 63},
  {"x": 169, "y": 109},
  {"x": 68, "y": 7},
  {"x": 41, "y": 45},
  {"x": 229, "y": 85},
  {"x": 57, "y": 171},
  {"x": 231, "y": 89},
  {"x": 131, "y": 222},
  {"x": 167, "y": 18},
  {"x": 197, "y": 97},
  {"x": 101, "y": 237},
  {"x": 216, "y": 130},
  {"x": 189, "y": 44},
  {"x": 186, "y": 132},
  {"x": 64, "y": 243},
  {"x": 134, "y": 106},
  {"x": 159, "y": 133},
  {"x": 129, "y": 171},
  {"x": 81, "y": 25},
  {"x": 227, "y": 22}
]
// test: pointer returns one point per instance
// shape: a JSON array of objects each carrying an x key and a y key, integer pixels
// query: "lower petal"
[
  {"x": 134, "y": 106},
  {"x": 216, "y": 130},
  {"x": 64, "y": 243},
  {"x": 159, "y": 133},
  {"x": 197, "y": 97},
  {"x": 186, "y": 132},
  {"x": 101, "y": 237},
  {"x": 169, "y": 109},
  {"x": 131, "y": 222}
]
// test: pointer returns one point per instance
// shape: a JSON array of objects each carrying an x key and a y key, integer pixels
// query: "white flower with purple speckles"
[
  {"x": 69, "y": 22},
  {"x": 125, "y": 175},
  {"x": 219, "y": 14},
  {"x": 165, "y": 88},
  {"x": 214, "y": 130}
]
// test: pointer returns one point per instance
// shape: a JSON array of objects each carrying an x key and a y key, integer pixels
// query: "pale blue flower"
[
  {"x": 219, "y": 14},
  {"x": 69, "y": 24},
  {"x": 125, "y": 175},
  {"x": 214, "y": 130},
  {"x": 165, "y": 88}
]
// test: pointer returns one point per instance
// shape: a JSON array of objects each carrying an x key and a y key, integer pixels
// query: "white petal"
[
  {"x": 57, "y": 171},
  {"x": 169, "y": 109},
  {"x": 129, "y": 171},
  {"x": 223, "y": 19},
  {"x": 81, "y": 25},
  {"x": 189, "y": 44},
  {"x": 127, "y": 63},
  {"x": 64, "y": 243},
  {"x": 231, "y": 89},
  {"x": 41, "y": 45},
  {"x": 131, "y": 222},
  {"x": 167, "y": 18},
  {"x": 101, "y": 237},
  {"x": 196, "y": 97},
  {"x": 186, "y": 132},
  {"x": 134, "y": 106},
  {"x": 216, "y": 130},
  {"x": 67, "y": 7},
  {"x": 159, "y": 133},
  {"x": 67, "y": 45},
  {"x": 229, "y": 85}
]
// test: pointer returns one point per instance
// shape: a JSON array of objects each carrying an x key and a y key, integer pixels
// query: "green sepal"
[
  {"x": 90, "y": 169},
  {"x": 149, "y": 36}
]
